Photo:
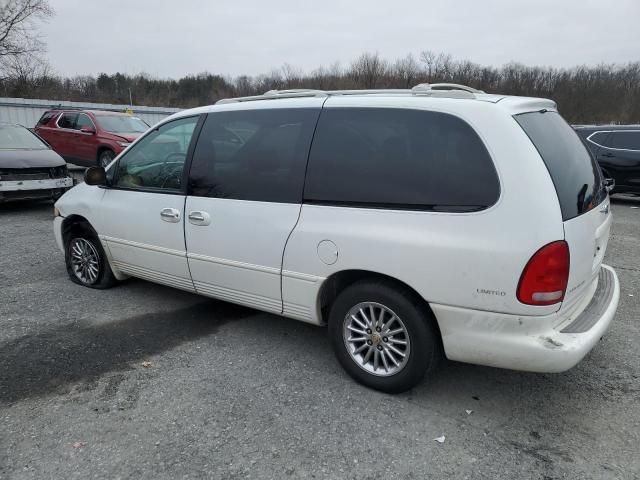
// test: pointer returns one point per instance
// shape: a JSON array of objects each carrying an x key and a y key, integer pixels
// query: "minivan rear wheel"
[
  {"x": 383, "y": 336},
  {"x": 86, "y": 262}
]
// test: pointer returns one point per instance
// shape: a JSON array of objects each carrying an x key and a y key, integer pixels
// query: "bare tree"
[
  {"x": 585, "y": 94},
  {"x": 368, "y": 70},
  {"x": 18, "y": 29},
  {"x": 406, "y": 70},
  {"x": 429, "y": 59}
]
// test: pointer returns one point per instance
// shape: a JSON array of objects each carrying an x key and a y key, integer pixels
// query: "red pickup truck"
[{"x": 89, "y": 137}]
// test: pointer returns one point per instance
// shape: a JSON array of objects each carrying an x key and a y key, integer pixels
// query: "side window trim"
[
  {"x": 187, "y": 161},
  {"x": 600, "y": 145}
]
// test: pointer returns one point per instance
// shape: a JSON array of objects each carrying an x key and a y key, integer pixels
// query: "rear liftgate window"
[
  {"x": 399, "y": 159},
  {"x": 575, "y": 174}
]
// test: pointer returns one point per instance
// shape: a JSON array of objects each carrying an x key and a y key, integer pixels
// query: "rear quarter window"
[
  {"x": 401, "y": 159},
  {"x": 599, "y": 138},
  {"x": 575, "y": 174},
  {"x": 46, "y": 116}
]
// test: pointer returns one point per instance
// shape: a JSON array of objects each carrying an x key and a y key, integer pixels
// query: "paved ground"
[{"x": 234, "y": 393}]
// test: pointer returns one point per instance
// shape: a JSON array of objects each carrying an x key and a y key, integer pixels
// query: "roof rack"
[
  {"x": 442, "y": 90},
  {"x": 448, "y": 90},
  {"x": 274, "y": 94}
]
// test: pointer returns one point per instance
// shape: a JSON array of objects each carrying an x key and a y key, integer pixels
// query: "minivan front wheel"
[
  {"x": 383, "y": 336},
  {"x": 87, "y": 264}
]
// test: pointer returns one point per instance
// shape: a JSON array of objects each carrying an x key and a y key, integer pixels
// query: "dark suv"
[
  {"x": 89, "y": 137},
  {"x": 617, "y": 150}
]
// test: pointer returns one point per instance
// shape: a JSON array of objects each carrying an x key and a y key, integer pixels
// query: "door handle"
[
  {"x": 200, "y": 218},
  {"x": 608, "y": 155},
  {"x": 170, "y": 215}
]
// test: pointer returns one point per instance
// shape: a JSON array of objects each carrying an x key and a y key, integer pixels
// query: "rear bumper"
[{"x": 551, "y": 343}]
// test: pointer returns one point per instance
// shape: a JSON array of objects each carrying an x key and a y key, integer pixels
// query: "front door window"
[{"x": 156, "y": 162}]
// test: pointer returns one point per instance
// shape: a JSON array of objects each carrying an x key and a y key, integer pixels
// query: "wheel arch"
[
  {"x": 340, "y": 280},
  {"x": 102, "y": 148},
  {"x": 79, "y": 224},
  {"x": 76, "y": 223}
]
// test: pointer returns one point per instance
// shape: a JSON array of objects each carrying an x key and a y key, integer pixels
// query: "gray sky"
[{"x": 173, "y": 38}]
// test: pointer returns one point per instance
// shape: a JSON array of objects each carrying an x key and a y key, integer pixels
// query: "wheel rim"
[
  {"x": 85, "y": 260},
  {"x": 105, "y": 159},
  {"x": 376, "y": 339}
]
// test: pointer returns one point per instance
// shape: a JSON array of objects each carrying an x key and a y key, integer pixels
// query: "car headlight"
[{"x": 124, "y": 144}]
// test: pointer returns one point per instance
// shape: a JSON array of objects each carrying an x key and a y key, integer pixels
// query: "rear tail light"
[{"x": 544, "y": 279}]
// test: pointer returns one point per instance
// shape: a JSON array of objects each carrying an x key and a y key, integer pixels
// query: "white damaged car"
[{"x": 29, "y": 168}]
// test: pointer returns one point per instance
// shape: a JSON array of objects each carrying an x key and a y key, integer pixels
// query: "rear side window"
[
  {"x": 625, "y": 140},
  {"x": 67, "y": 120},
  {"x": 575, "y": 174},
  {"x": 399, "y": 158},
  {"x": 256, "y": 155},
  {"x": 46, "y": 116}
]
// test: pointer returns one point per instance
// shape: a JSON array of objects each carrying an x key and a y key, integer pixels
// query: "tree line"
[
  {"x": 585, "y": 94},
  {"x": 606, "y": 93}
]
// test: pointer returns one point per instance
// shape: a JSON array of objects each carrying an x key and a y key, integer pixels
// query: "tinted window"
[
  {"x": 599, "y": 138},
  {"x": 625, "y": 140},
  {"x": 253, "y": 155},
  {"x": 401, "y": 159},
  {"x": 575, "y": 174},
  {"x": 45, "y": 118},
  {"x": 157, "y": 161},
  {"x": 67, "y": 120},
  {"x": 83, "y": 121}
]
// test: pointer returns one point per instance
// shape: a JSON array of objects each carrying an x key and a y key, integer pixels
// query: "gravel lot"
[{"x": 231, "y": 392}]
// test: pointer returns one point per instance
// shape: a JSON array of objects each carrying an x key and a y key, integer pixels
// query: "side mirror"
[
  {"x": 95, "y": 176},
  {"x": 88, "y": 130}
]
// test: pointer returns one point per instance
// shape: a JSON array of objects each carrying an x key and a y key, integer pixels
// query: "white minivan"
[{"x": 414, "y": 223}]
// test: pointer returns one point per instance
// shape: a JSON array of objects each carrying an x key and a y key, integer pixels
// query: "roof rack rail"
[
  {"x": 450, "y": 90},
  {"x": 445, "y": 90},
  {"x": 273, "y": 94}
]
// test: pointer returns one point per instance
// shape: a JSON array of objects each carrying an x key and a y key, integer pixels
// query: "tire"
[
  {"x": 105, "y": 158},
  {"x": 422, "y": 347},
  {"x": 88, "y": 246}
]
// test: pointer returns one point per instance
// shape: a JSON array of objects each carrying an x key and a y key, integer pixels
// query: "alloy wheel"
[
  {"x": 85, "y": 260},
  {"x": 376, "y": 338}
]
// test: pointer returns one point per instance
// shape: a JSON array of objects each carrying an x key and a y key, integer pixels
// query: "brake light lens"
[{"x": 544, "y": 278}]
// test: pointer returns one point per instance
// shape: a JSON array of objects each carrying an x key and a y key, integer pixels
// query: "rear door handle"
[
  {"x": 199, "y": 218},
  {"x": 170, "y": 215}
]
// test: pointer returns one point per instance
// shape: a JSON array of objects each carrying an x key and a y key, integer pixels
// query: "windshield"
[
  {"x": 121, "y": 124},
  {"x": 13, "y": 137}
]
